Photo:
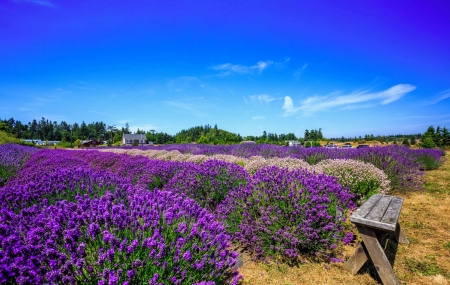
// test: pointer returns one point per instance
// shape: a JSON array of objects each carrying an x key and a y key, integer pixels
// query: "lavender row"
[
  {"x": 305, "y": 205},
  {"x": 78, "y": 225},
  {"x": 362, "y": 178},
  {"x": 12, "y": 157},
  {"x": 403, "y": 166}
]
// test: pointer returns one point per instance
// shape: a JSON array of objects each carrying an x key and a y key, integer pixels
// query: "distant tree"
[
  {"x": 406, "y": 142},
  {"x": 428, "y": 142},
  {"x": 77, "y": 142},
  {"x": 127, "y": 129},
  {"x": 413, "y": 141}
]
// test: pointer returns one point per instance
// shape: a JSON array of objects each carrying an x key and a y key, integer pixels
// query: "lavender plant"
[
  {"x": 282, "y": 212},
  {"x": 156, "y": 238},
  {"x": 12, "y": 157},
  {"x": 363, "y": 179},
  {"x": 208, "y": 183}
]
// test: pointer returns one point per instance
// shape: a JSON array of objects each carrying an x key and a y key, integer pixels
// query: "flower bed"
[
  {"x": 12, "y": 157},
  {"x": 61, "y": 223},
  {"x": 403, "y": 166}
]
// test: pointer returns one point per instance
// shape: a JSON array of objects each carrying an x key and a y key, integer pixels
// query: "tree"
[
  {"x": 413, "y": 140},
  {"x": 111, "y": 130},
  {"x": 428, "y": 142},
  {"x": 127, "y": 129},
  {"x": 405, "y": 142}
]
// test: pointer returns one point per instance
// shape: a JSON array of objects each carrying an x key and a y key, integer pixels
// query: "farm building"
[
  {"x": 90, "y": 143},
  {"x": 135, "y": 139},
  {"x": 293, "y": 143}
]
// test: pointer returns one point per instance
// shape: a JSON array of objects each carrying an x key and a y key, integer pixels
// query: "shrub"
[
  {"x": 281, "y": 212},
  {"x": 362, "y": 178}
]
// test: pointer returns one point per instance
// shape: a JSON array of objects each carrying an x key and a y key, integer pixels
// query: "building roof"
[{"x": 134, "y": 136}]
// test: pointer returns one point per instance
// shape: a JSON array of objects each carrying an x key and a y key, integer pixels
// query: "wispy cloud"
[
  {"x": 22, "y": 109},
  {"x": 186, "y": 107},
  {"x": 352, "y": 100},
  {"x": 439, "y": 97},
  {"x": 298, "y": 72},
  {"x": 38, "y": 2},
  {"x": 228, "y": 68},
  {"x": 263, "y": 98},
  {"x": 42, "y": 99},
  {"x": 258, "y": 118}
]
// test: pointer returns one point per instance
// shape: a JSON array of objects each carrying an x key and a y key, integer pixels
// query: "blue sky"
[{"x": 349, "y": 67}]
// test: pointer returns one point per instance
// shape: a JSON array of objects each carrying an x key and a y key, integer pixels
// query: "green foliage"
[
  {"x": 428, "y": 142},
  {"x": 428, "y": 162},
  {"x": 77, "y": 142},
  {"x": 406, "y": 142},
  {"x": 63, "y": 144},
  {"x": 313, "y": 135},
  {"x": 7, "y": 138},
  {"x": 207, "y": 135}
]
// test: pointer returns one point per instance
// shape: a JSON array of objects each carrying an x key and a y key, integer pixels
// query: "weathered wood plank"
[
  {"x": 377, "y": 256},
  {"x": 372, "y": 214},
  {"x": 360, "y": 256},
  {"x": 357, "y": 260},
  {"x": 393, "y": 211},
  {"x": 365, "y": 208},
  {"x": 400, "y": 235},
  {"x": 377, "y": 212}
]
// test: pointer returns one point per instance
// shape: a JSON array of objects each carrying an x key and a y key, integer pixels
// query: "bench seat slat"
[
  {"x": 393, "y": 211},
  {"x": 380, "y": 212},
  {"x": 377, "y": 212},
  {"x": 365, "y": 208}
]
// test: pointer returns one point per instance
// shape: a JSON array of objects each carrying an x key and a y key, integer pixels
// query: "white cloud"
[
  {"x": 439, "y": 97},
  {"x": 229, "y": 68},
  {"x": 22, "y": 109},
  {"x": 353, "y": 100},
  {"x": 263, "y": 98},
  {"x": 258, "y": 118},
  {"x": 288, "y": 106}
]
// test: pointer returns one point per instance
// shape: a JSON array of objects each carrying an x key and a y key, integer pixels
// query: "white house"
[
  {"x": 293, "y": 143},
  {"x": 139, "y": 139}
]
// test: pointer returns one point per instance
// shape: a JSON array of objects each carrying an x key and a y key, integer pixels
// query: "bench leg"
[
  {"x": 377, "y": 256},
  {"x": 400, "y": 235},
  {"x": 360, "y": 256}
]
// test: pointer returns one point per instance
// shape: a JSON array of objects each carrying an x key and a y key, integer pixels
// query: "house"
[
  {"x": 90, "y": 143},
  {"x": 135, "y": 139},
  {"x": 293, "y": 143}
]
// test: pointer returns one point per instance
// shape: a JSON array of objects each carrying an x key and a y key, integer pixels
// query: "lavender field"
[{"x": 178, "y": 214}]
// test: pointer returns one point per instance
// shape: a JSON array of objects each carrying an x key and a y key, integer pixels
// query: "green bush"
[{"x": 7, "y": 138}]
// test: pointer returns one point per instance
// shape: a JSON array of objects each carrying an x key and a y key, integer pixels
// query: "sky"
[{"x": 350, "y": 68}]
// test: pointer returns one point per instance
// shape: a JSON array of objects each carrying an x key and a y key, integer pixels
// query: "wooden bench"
[{"x": 376, "y": 218}]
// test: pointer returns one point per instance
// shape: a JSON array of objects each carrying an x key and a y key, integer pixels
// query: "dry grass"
[{"x": 425, "y": 219}]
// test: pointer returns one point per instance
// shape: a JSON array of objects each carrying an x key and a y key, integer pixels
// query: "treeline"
[
  {"x": 439, "y": 137},
  {"x": 371, "y": 137},
  {"x": 207, "y": 135},
  {"x": 47, "y": 130}
]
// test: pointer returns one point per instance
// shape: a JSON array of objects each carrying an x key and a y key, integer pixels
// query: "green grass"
[{"x": 428, "y": 267}]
